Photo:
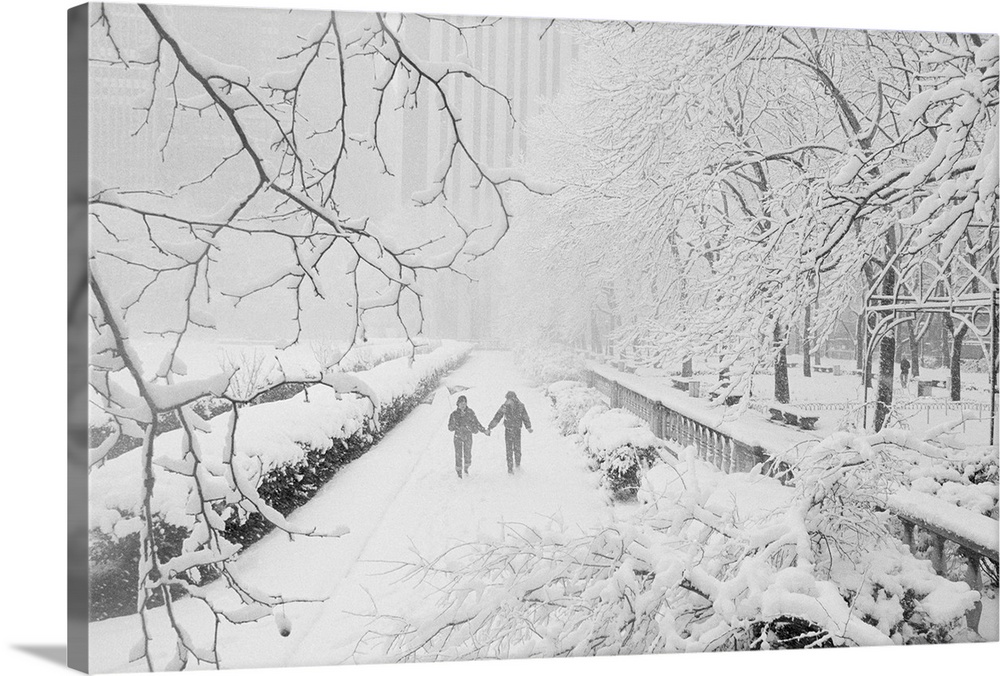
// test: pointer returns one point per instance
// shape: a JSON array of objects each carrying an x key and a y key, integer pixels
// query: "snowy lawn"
[
  {"x": 839, "y": 391},
  {"x": 400, "y": 500}
]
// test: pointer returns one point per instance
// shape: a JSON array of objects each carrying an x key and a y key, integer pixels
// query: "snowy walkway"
[{"x": 401, "y": 497}]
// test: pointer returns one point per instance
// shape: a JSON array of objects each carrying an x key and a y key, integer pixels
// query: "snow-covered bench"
[
  {"x": 680, "y": 383},
  {"x": 793, "y": 416},
  {"x": 926, "y": 385},
  {"x": 731, "y": 399}
]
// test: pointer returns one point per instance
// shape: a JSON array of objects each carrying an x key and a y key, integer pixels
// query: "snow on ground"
[{"x": 400, "y": 499}]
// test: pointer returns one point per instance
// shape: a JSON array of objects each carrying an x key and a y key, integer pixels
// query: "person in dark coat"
[
  {"x": 464, "y": 423},
  {"x": 514, "y": 415},
  {"x": 904, "y": 371}
]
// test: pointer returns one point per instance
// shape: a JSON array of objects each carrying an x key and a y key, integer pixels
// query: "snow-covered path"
[{"x": 400, "y": 499}]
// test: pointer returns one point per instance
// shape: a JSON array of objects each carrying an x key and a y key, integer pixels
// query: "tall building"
[{"x": 525, "y": 59}]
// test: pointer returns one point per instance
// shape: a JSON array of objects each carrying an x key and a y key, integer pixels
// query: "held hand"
[
  {"x": 487, "y": 432},
  {"x": 530, "y": 430}
]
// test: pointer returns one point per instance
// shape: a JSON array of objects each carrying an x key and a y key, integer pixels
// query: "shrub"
[
  {"x": 621, "y": 446},
  {"x": 571, "y": 400},
  {"x": 114, "y": 570}
]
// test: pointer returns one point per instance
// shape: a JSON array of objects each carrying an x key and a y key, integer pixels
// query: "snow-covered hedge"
[
  {"x": 287, "y": 449},
  {"x": 571, "y": 400},
  {"x": 621, "y": 446},
  {"x": 367, "y": 357}
]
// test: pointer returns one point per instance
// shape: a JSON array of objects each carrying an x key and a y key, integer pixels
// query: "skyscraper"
[{"x": 526, "y": 60}]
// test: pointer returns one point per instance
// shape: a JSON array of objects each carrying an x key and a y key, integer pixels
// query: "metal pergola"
[{"x": 963, "y": 286}]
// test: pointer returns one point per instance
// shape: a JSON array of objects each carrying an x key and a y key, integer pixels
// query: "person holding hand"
[
  {"x": 464, "y": 423},
  {"x": 514, "y": 415}
]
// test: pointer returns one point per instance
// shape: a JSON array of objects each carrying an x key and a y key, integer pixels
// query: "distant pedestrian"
[
  {"x": 904, "y": 371},
  {"x": 464, "y": 423},
  {"x": 514, "y": 415}
]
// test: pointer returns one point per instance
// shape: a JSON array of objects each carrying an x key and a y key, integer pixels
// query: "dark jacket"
[
  {"x": 464, "y": 423},
  {"x": 513, "y": 414}
]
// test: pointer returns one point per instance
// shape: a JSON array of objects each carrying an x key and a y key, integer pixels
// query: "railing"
[
  {"x": 723, "y": 451},
  {"x": 934, "y": 404},
  {"x": 732, "y": 455},
  {"x": 975, "y": 535}
]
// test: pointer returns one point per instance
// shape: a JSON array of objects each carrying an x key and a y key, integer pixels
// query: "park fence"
[{"x": 726, "y": 452}]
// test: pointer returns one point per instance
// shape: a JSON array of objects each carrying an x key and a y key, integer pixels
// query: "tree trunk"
[
  {"x": 914, "y": 350},
  {"x": 944, "y": 339},
  {"x": 886, "y": 362},
  {"x": 781, "y": 393},
  {"x": 955, "y": 366},
  {"x": 807, "y": 343},
  {"x": 595, "y": 333},
  {"x": 687, "y": 368},
  {"x": 861, "y": 334}
]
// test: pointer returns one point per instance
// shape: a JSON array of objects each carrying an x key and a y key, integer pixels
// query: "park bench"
[
  {"x": 680, "y": 383},
  {"x": 925, "y": 386},
  {"x": 823, "y": 369},
  {"x": 730, "y": 400},
  {"x": 795, "y": 417},
  {"x": 723, "y": 384}
]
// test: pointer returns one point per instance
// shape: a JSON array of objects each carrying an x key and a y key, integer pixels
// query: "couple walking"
[{"x": 464, "y": 423}]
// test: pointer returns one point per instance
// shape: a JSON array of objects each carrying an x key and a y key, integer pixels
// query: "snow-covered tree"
[
  {"x": 281, "y": 223},
  {"x": 730, "y": 180}
]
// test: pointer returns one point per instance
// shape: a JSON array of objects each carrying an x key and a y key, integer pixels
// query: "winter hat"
[{"x": 511, "y": 395}]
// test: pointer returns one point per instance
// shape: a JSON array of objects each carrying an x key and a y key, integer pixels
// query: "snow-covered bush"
[
  {"x": 103, "y": 427},
  {"x": 367, "y": 357},
  {"x": 904, "y": 598},
  {"x": 571, "y": 400},
  {"x": 710, "y": 561},
  {"x": 284, "y": 452},
  {"x": 967, "y": 478},
  {"x": 544, "y": 363},
  {"x": 621, "y": 446}
]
